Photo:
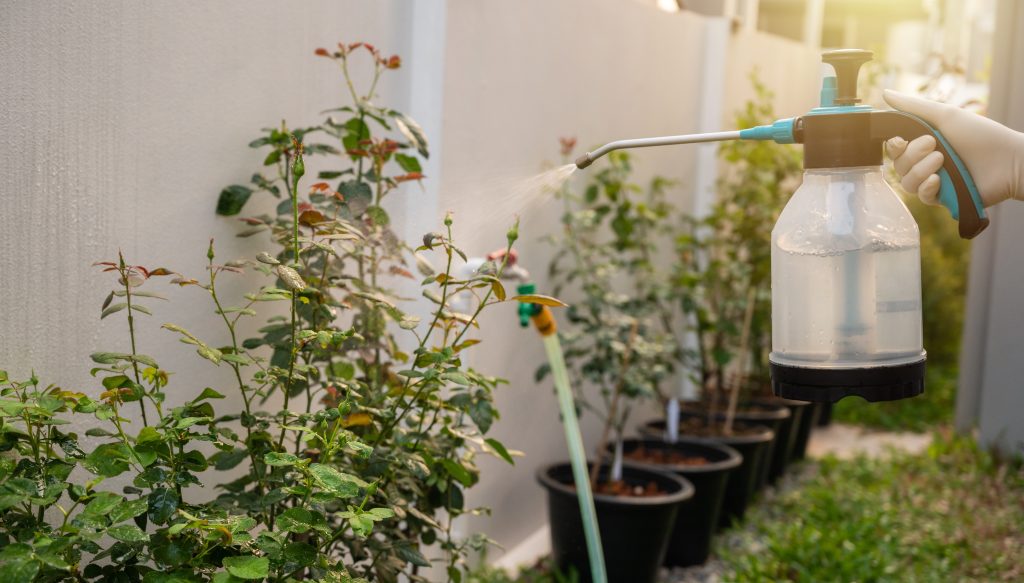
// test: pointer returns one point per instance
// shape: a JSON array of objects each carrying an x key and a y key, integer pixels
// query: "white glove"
[{"x": 993, "y": 153}]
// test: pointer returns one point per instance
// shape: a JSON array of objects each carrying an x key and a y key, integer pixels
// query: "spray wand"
[{"x": 544, "y": 321}]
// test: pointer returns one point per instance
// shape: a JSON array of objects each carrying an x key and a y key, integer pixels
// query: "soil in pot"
[
  {"x": 707, "y": 466},
  {"x": 635, "y": 530},
  {"x": 775, "y": 417},
  {"x": 750, "y": 440}
]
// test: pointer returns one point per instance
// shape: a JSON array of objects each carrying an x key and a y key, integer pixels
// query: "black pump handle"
[{"x": 957, "y": 191}]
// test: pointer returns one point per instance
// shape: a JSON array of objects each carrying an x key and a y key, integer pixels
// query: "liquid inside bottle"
[{"x": 846, "y": 274}]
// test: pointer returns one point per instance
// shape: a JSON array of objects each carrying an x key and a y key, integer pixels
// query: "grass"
[
  {"x": 923, "y": 413},
  {"x": 951, "y": 514}
]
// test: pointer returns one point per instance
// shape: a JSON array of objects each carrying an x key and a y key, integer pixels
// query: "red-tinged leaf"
[
  {"x": 160, "y": 271},
  {"x": 393, "y": 62},
  {"x": 183, "y": 282},
  {"x": 541, "y": 299},
  {"x": 251, "y": 221},
  {"x": 396, "y": 270},
  {"x": 409, "y": 176},
  {"x": 108, "y": 263},
  {"x": 139, "y": 268},
  {"x": 320, "y": 186},
  {"x": 311, "y": 217},
  {"x": 322, "y": 53}
]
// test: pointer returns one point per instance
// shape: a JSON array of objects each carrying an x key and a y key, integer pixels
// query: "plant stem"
[
  {"x": 293, "y": 191},
  {"x": 734, "y": 389},
  {"x": 131, "y": 332},
  {"x": 610, "y": 420},
  {"x": 256, "y": 468}
]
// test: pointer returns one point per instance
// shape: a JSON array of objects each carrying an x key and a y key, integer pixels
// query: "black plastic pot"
[
  {"x": 824, "y": 414},
  {"x": 742, "y": 482},
  {"x": 634, "y": 531},
  {"x": 790, "y": 430},
  {"x": 690, "y": 543},
  {"x": 803, "y": 435},
  {"x": 775, "y": 417}
]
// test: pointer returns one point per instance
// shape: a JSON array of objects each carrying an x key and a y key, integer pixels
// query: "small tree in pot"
[{"x": 618, "y": 339}]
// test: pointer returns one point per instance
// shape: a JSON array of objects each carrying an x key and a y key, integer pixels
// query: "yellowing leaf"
[
  {"x": 356, "y": 420},
  {"x": 542, "y": 300}
]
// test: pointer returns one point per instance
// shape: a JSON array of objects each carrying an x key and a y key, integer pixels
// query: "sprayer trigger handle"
[{"x": 957, "y": 191}]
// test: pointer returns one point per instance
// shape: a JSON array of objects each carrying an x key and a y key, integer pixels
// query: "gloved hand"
[{"x": 993, "y": 153}]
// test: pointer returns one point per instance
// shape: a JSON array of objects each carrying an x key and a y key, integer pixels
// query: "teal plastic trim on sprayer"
[
  {"x": 578, "y": 458},
  {"x": 781, "y": 132}
]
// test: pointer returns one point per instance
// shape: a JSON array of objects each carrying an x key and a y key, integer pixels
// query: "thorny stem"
[
  {"x": 238, "y": 377},
  {"x": 293, "y": 191},
  {"x": 131, "y": 330}
]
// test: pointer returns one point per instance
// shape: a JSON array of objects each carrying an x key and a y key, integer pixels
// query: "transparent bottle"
[{"x": 846, "y": 275}]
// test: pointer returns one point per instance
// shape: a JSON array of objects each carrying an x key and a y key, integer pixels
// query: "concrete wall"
[{"x": 123, "y": 122}]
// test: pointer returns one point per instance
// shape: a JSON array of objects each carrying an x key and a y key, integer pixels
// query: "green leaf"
[
  {"x": 540, "y": 299},
  {"x": 115, "y": 382},
  {"x": 207, "y": 393},
  {"x": 410, "y": 554},
  {"x": 300, "y": 553},
  {"x": 457, "y": 471},
  {"x": 344, "y": 485},
  {"x": 408, "y": 163},
  {"x": 300, "y": 520},
  {"x": 128, "y": 533},
  {"x": 163, "y": 502},
  {"x": 381, "y": 513},
  {"x": 113, "y": 309},
  {"x": 232, "y": 199},
  {"x": 499, "y": 449},
  {"x": 108, "y": 357},
  {"x": 108, "y": 460},
  {"x": 247, "y": 567},
  {"x": 482, "y": 414},
  {"x": 225, "y": 460},
  {"x": 281, "y": 459},
  {"x": 19, "y": 571},
  {"x": 103, "y": 504},
  {"x": 378, "y": 215},
  {"x": 129, "y": 509}
]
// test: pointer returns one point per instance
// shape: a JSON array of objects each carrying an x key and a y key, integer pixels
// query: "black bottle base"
[{"x": 828, "y": 385}]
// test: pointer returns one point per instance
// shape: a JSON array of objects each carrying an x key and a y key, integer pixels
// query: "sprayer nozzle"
[{"x": 584, "y": 161}]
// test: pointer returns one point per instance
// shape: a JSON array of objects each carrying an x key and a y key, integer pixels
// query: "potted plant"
[
  {"x": 618, "y": 338},
  {"x": 759, "y": 178},
  {"x": 422, "y": 415},
  {"x": 723, "y": 277}
]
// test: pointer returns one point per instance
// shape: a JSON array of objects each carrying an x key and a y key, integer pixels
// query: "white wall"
[
  {"x": 595, "y": 69},
  {"x": 122, "y": 123}
]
